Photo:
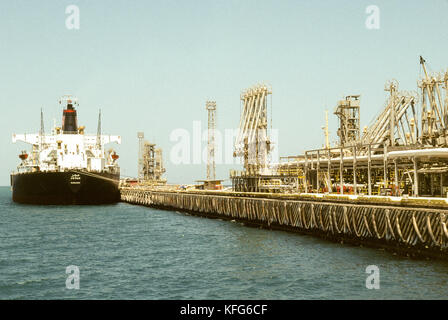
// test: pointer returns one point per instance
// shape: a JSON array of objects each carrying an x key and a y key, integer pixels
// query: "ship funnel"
[{"x": 69, "y": 116}]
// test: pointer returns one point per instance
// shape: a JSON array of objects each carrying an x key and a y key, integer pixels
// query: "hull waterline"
[{"x": 70, "y": 187}]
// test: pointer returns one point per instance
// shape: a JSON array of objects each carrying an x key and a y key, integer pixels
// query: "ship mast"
[
  {"x": 98, "y": 133},
  {"x": 42, "y": 128}
]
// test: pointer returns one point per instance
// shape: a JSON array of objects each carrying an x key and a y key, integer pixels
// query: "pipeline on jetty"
[{"x": 404, "y": 229}]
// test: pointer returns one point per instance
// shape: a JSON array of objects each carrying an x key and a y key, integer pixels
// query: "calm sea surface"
[{"x": 132, "y": 252}]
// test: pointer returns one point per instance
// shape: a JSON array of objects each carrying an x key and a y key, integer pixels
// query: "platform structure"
[
  {"x": 253, "y": 144},
  {"x": 348, "y": 115},
  {"x": 210, "y": 106},
  {"x": 383, "y": 185},
  {"x": 151, "y": 168},
  {"x": 402, "y": 152}
]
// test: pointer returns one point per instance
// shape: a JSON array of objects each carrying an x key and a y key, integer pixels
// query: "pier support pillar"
[
  {"x": 306, "y": 173},
  {"x": 414, "y": 160},
  {"x": 397, "y": 187},
  {"x": 341, "y": 174}
]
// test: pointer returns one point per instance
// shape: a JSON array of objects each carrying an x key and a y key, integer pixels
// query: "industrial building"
[{"x": 403, "y": 152}]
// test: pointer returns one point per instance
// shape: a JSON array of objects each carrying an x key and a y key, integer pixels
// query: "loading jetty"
[
  {"x": 410, "y": 226},
  {"x": 382, "y": 185}
]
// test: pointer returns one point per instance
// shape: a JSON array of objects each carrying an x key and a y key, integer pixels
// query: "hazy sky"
[{"x": 151, "y": 65}]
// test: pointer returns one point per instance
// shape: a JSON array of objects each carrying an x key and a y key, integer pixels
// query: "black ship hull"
[{"x": 70, "y": 187}]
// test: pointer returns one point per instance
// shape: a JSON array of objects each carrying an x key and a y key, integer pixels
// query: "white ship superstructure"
[{"x": 68, "y": 147}]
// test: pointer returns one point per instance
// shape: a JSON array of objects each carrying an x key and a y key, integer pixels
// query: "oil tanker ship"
[{"x": 67, "y": 166}]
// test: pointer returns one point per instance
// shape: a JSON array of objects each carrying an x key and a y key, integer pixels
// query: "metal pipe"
[
  {"x": 414, "y": 160},
  {"x": 385, "y": 167},
  {"x": 396, "y": 178},
  {"x": 341, "y": 174},
  {"x": 317, "y": 169},
  {"x": 434, "y": 152},
  {"x": 330, "y": 187},
  {"x": 369, "y": 170},
  {"x": 354, "y": 170},
  {"x": 306, "y": 173}
]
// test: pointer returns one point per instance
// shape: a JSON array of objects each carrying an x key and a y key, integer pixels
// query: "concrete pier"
[{"x": 411, "y": 226}]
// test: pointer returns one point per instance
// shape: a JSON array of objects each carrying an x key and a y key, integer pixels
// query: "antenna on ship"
[
  {"x": 98, "y": 134},
  {"x": 42, "y": 128}
]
